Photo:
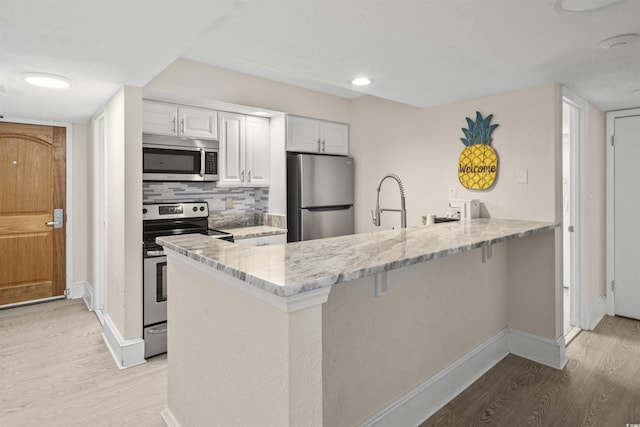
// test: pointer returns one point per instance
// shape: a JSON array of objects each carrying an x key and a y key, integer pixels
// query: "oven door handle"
[
  {"x": 160, "y": 329},
  {"x": 202, "y": 162},
  {"x": 155, "y": 253}
]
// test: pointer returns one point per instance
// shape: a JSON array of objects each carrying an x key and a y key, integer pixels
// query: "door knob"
[{"x": 58, "y": 219}]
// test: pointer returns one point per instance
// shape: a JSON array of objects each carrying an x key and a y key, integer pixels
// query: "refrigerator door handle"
[{"x": 328, "y": 208}]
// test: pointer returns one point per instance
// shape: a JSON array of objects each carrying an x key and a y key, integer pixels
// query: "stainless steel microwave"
[{"x": 170, "y": 158}]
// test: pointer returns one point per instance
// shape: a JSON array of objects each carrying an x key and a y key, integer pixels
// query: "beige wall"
[
  {"x": 80, "y": 195},
  {"x": 596, "y": 205},
  {"x": 192, "y": 79},
  {"x": 237, "y": 361},
  {"x": 422, "y": 146},
  {"x": 376, "y": 349},
  {"x": 123, "y": 217}
]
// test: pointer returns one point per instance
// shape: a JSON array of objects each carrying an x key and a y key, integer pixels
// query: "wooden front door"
[{"x": 32, "y": 185}]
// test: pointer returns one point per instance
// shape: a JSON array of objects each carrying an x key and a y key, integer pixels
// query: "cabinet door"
[
  {"x": 159, "y": 118},
  {"x": 198, "y": 122},
  {"x": 303, "y": 134},
  {"x": 334, "y": 138},
  {"x": 232, "y": 128},
  {"x": 257, "y": 151}
]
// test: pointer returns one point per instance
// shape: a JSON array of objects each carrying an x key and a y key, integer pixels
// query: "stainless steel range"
[{"x": 164, "y": 219}]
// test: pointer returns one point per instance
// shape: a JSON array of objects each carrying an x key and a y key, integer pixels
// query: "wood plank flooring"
[
  {"x": 55, "y": 370},
  {"x": 600, "y": 386}
]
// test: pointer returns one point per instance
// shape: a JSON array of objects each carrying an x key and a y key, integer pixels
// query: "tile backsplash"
[{"x": 249, "y": 205}]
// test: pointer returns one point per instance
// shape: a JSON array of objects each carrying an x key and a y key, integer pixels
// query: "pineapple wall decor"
[{"x": 478, "y": 164}]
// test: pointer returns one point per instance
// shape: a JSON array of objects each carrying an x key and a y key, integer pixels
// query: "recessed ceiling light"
[
  {"x": 622, "y": 40},
  {"x": 581, "y": 5},
  {"x": 46, "y": 80},
  {"x": 361, "y": 81}
]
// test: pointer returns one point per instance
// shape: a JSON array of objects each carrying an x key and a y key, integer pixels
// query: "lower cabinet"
[{"x": 274, "y": 239}]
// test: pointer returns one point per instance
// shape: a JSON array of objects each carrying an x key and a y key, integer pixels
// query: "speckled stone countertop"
[
  {"x": 253, "y": 231},
  {"x": 295, "y": 268}
]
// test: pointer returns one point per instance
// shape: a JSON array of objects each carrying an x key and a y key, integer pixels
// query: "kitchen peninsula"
[{"x": 372, "y": 328}]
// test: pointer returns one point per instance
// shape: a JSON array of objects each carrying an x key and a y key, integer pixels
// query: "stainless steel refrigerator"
[{"x": 319, "y": 196}]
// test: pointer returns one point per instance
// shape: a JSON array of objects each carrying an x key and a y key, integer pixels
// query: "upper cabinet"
[
  {"x": 177, "y": 120},
  {"x": 244, "y": 150},
  {"x": 317, "y": 136}
]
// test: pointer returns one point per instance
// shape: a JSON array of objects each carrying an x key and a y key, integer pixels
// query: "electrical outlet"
[{"x": 229, "y": 202}]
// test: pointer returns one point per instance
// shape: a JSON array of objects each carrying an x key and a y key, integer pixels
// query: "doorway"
[
  {"x": 32, "y": 212},
  {"x": 573, "y": 213},
  {"x": 623, "y": 188}
]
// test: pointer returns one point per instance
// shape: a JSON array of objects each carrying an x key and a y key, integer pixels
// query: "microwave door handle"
[{"x": 202, "y": 162}]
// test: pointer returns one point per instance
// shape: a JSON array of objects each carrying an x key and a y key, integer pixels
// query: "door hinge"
[
  {"x": 613, "y": 286},
  {"x": 613, "y": 140},
  {"x": 66, "y": 292}
]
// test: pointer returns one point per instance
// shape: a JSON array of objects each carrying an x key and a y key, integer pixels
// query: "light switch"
[{"x": 522, "y": 176}]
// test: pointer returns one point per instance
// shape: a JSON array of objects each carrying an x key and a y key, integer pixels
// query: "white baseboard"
[
  {"x": 87, "y": 295},
  {"x": 419, "y": 404},
  {"x": 596, "y": 312},
  {"x": 76, "y": 290},
  {"x": 423, "y": 401},
  {"x": 168, "y": 418},
  {"x": 126, "y": 353},
  {"x": 542, "y": 350}
]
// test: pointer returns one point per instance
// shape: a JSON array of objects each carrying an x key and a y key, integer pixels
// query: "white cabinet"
[
  {"x": 244, "y": 150},
  {"x": 317, "y": 136},
  {"x": 198, "y": 122},
  {"x": 257, "y": 151},
  {"x": 177, "y": 120},
  {"x": 275, "y": 239}
]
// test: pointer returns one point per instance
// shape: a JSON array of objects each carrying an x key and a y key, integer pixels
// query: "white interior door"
[{"x": 626, "y": 208}]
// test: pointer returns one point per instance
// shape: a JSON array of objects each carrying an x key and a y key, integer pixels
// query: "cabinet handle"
[
  {"x": 323, "y": 146},
  {"x": 174, "y": 125},
  {"x": 249, "y": 176},
  {"x": 242, "y": 175},
  {"x": 319, "y": 151},
  {"x": 182, "y": 124}
]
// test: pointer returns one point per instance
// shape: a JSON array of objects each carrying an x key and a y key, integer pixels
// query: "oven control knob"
[
  {"x": 201, "y": 208},
  {"x": 144, "y": 211},
  {"x": 195, "y": 209}
]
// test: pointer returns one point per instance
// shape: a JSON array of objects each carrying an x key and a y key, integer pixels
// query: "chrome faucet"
[{"x": 403, "y": 210}]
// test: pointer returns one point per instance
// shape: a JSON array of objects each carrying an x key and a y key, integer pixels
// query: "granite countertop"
[
  {"x": 295, "y": 268},
  {"x": 253, "y": 231}
]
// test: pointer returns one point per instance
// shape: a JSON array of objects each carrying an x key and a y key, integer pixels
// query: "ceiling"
[{"x": 419, "y": 52}]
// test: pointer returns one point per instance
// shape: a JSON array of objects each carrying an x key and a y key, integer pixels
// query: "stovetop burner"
[{"x": 166, "y": 219}]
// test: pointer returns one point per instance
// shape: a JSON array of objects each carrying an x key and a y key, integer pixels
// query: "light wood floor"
[
  {"x": 600, "y": 386},
  {"x": 55, "y": 370}
]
